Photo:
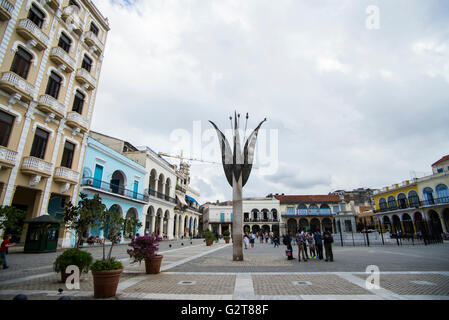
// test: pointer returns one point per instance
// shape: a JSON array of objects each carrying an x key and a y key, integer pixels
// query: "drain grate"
[
  {"x": 187, "y": 283},
  {"x": 423, "y": 283},
  {"x": 302, "y": 283}
]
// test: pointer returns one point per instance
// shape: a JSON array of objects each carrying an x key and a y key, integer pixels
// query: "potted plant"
[
  {"x": 145, "y": 248},
  {"x": 107, "y": 271},
  {"x": 78, "y": 219},
  {"x": 210, "y": 237},
  {"x": 226, "y": 236},
  {"x": 81, "y": 259}
]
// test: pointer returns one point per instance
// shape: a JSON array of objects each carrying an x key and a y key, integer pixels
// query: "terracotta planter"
[
  {"x": 227, "y": 240},
  {"x": 209, "y": 242},
  {"x": 106, "y": 283},
  {"x": 153, "y": 265}
]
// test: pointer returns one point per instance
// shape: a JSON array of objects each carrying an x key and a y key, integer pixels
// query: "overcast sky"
[{"x": 353, "y": 107}]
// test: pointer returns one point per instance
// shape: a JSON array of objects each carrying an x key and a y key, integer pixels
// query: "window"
[
  {"x": 53, "y": 85},
  {"x": 78, "y": 102},
  {"x": 67, "y": 155},
  {"x": 290, "y": 210},
  {"x": 6, "y": 123},
  {"x": 94, "y": 29},
  {"x": 36, "y": 15},
  {"x": 21, "y": 63},
  {"x": 64, "y": 42},
  {"x": 87, "y": 63},
  {"x": 336, "y": 209},
  {"x": 39, "y": 144},
  {"x": 440, "y": 170}
]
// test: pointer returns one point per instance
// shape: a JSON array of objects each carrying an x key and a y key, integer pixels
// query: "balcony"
[
  {"x": 54, "y": 4},
  {"x": 60, "y": 57},
  {"x": 84, "y": 78},
  {"x": 36, "y": 166},
  {"x": 8, "y": 158},
  {"x": 260, "y": 220},
  {"x": 48, "y": 104},
  {"x": 70, "y": 15},
  {"x": 74, "y": 119},
  {"x": 29, "y": 31},
  {"x": 92, "y": 41},
  {"x": 6, "y": 9},
  {"x": 66, "y": 175},
  {"x": 156, "y": 194},
  {"x": 14, "y": 84},
  {"x": 113, "y": 189}
]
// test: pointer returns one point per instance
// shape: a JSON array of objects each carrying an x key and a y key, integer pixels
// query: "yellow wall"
[{"x": 395, "y": 193}]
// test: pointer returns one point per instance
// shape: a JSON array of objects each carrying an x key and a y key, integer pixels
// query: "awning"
[
  {"x": 182, "y": 200},
  {"x": 191, "y": 199}
]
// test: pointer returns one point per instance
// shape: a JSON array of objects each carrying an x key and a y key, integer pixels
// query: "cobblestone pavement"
[{"x": 195, "y": 271}]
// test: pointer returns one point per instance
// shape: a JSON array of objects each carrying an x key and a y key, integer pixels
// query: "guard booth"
[{"x": 42, "y": 234}]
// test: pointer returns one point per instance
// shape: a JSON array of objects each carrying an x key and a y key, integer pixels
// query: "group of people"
[
  {"x": 312, "y": 242},
  {"x": 249, "y": 238}
]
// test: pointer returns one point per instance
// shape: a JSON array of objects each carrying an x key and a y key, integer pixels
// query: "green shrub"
[
  {"x": 210, "y": 235},
  {"x": 105, "y": 265},
  {"x": 79, "y": 258},
  {"x": 226, "y": 233}
]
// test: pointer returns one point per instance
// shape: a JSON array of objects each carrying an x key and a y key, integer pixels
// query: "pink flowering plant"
[{"x": 144, "y": 247}]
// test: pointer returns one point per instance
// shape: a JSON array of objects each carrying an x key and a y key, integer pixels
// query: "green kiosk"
[{"x": 42, "y": 234}]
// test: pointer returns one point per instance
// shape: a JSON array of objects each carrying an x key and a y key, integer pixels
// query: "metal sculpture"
[{"x": 237, "y": 167}]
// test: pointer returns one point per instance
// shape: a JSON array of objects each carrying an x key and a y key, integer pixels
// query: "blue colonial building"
[{"x": 118, "y": 180}]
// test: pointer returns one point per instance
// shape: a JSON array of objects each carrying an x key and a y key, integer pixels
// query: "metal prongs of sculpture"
[{"x": 237, "y": 167}]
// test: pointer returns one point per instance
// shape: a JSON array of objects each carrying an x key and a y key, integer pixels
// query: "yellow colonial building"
[
  {"x": 51, "y": 54},
  {"x": 411, "y": 205}
]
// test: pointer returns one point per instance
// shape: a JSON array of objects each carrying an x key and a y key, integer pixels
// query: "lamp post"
[{"x": 237, "y": 167}]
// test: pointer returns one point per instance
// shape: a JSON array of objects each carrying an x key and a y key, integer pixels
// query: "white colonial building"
[{"x": 258, "y": 214}]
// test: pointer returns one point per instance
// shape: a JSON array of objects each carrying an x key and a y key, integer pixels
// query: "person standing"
[
  {"x": 252, "y": 239},
  {"x": 319, "y": 244},
  {"x": 266, "y": 237},
  {"x": 300, "y": 243},
  {"x": 288, "y": 243},
  {"x": 328, "y": 240},
  {"x": 276, "y": 240},
  {"x": 304, "y": 242},
  {"x": 246, "y": 241},
  {"x": 4, "y": 249},
  {"x": 311, "y": 243}
]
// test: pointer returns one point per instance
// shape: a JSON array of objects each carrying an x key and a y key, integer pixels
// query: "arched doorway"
[
  {"x": 255, "y": 214},
  {"x": 246, "y": 216},
  {"x": 442, "y": 193},
  {"x": 148, "y": 217},
  {"x": 315, "y": 224},
  {"x": 160, "y": 186},
  {"x": 303, "y": 224},
  {"x": 419, "y": 223},
  {"x": 292, "y": 226},
  {"x": 153, "y": 186},
  {"x": 402, "y": 201},
  {"x": 275, "y": 229},
  {"x": 396, "y": 224},
  {"x": 387, "y": 224},
  {"x": 408, "y": 224},
  {"x": 325, "y": 210},
  {"x": 132, "y": 217},
  {"x": 436, "y": 229},
  {"x": 428, "y": 196},
  {"x": 246, "y": 228},
  {"x": 255, "y": 228},
  {"x": 118, "y": 182},
  {"x": 264, "y": 214},
  {"x": 266, "y": 228},
  {"x": 327, "y": 224},
  {"x": 446, "y": 218},
  {"x": 413, "y": 199},
  {"x": 274, "y": 215}
]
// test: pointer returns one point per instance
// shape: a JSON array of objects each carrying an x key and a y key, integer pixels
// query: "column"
[
  {"x": 170, "y": 226},
  {"x": 161, "y": 224},
  {"x": 176, "y": 225},
  {"x": 152, "y": 222},
  {"x": 230, "y": 230},
  {"x": 443, "y": 225},
  {"x": 219, "y": 228},
  {"x": 182, "y": 229}
]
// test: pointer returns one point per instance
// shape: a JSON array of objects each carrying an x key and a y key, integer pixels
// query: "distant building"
[{"x": 407, "y": 205}]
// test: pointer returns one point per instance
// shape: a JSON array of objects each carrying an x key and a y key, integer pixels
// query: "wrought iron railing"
[
  {"x": 411, "y": 203},
  {"x": 161, "y": 195},
  {"x": 5, "y": 4},
  {"x": 113, "y": 188},
  {"x": 260, "y": 220}
]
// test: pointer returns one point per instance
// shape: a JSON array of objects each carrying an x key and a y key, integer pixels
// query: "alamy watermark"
[
  {"x": 372, "y": 21},
  {"x": 373, "y": 280}
]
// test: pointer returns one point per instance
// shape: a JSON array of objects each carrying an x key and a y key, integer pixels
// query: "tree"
[
  {"x": 86, "y": 214},
  {"x": 131, "y": 224},
  {"x": 11, "y": 221},
  {"x": 113, "y": 222}
]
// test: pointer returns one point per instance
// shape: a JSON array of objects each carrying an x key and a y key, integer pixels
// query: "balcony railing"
[
  {"x": 74, "y": 119},
  {"x": 49, "y": 104},
  {"x": 8, "y": 158},
  {"x": 160, "y": 195},
  {"x": 260, "y": 220},
  {"x": 70, "y": 14},
  {"x": 36, "y": 166},
  {"x": 66, "y": 175},
  {"x": 85, "y": 77},
  {"x": 113, "y": 188},
  {"x": 13, "y": 83},
  {"x": 60, "y": 56},
  {"x": 309, "y": 213},
  {"x": 411, "y": 203},
  {"x": 30, "y": 31},
  {"x": 6, "y": 9},
  {"x": 92, "y": 39}
]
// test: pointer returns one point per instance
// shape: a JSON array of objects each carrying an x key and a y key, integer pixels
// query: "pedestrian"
[
  {"x": 288, "y": 242},
  {"x": 266, "y": 237},
  {"x": 246, "y": 241},
  {"x": 319, "y": 244},
  {"x": 217, "y": 237},
  {"x": 300, "y": 243},
  {"x": 311, "y": 243},
  {"x": 271, "y": 237},
  {"x": 276, "y": 240},
  {"x": 252, "y": 239},
  {"x": 305, "y": 243},
  {"x": 328, "y": 240},
  {"x": 261, "y": 236},
  {"x": 4, "y": 249}
]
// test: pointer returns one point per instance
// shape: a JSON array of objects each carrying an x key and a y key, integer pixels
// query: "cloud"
[{"x": 353, "y": 107}]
